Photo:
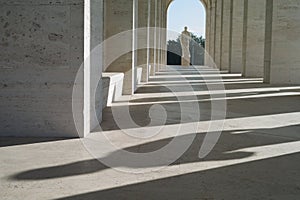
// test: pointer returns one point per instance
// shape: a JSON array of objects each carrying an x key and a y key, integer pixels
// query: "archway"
[{"x": 192, "y": 14}]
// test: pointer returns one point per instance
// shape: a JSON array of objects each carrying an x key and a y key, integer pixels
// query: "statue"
[{"x": 185, "y": 39}]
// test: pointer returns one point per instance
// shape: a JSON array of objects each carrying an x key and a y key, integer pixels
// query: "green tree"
[{"x": 198, "y": 39}]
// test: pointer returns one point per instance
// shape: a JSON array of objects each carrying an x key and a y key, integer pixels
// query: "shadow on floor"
[
  {"x": 228, "y": 142},
  {"x": 12, "y": 141},
  {"x": 256, "y": 106},
  {"x": 276, "y": 178}
]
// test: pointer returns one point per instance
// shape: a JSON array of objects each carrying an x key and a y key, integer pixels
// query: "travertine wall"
[
  {"x": 163, "y": 61},
  {"x": 218, "y": 32},
  {"x": 255, "y": 38},
  {"x": 212, "y": 29},
  {"x": 237, "y": 36},
  {"x": 42, "y": 47},
  {"x": 158, "y": 14},
  {"x": 143, "y": 38},
  {"x": 152, "y": 37},
  {"x": 118, "y": 17},
  {"x": 41, "y": 50},
  {"x": 207, "y": 59},
  {"x": 285, "y": 59},
  {"x": 226, "y": 35}
]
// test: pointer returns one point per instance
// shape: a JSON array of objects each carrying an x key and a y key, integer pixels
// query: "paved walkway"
[{"x": 256, "y": 157}]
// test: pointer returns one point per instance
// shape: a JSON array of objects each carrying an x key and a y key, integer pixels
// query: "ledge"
[{"x": 112, "y": 84}]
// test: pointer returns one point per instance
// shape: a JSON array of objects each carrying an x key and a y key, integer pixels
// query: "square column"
[
  {"x": 285, "y": 42},
  {"x": 119, "y": 17},
  {"x": 152, "y": 36},
  {"x": 207, "y": 36},
  {"x": 254, "y": 52},
  {"x": 237, "y": 36},
  {"x": 218, "y": 33},
  {"x": 142, "y": 38},
  {"x": 226, "y": 35}
]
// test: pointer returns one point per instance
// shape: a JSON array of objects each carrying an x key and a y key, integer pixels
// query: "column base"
[{"x": 185, "y": 62}]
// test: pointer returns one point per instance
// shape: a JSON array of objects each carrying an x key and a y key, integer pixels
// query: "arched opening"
[{"x": 190, "y": 14}]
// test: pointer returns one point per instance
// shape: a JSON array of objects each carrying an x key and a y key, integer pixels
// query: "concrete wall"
[
  {"x": 41, "y": 50},
  {"x": 285, "y": 59}
]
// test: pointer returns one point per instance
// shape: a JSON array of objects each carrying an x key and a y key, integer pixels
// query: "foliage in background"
[{"x": 199, "y": 40}]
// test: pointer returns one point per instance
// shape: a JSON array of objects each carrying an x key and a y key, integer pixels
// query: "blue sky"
[{"x": 190, "y": 13}]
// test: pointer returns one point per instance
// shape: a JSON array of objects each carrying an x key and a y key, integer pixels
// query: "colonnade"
[
  {"x": 47, "y": 45},
  {"x": 242, "y": 36},
  {"x": 255, "y": 37},
  {"x": 147, "y": 15}
]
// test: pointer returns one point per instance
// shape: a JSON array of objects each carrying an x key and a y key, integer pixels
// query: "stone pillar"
[
  {"x": 152, "y": 36},
  {"x": 119, "y": 18},
  {"x": 254, "y": 63},
  {"x": 212, "y": 32},
  {"x": 154, "y": 65},
  {"x": 237, "y": 36},
  {"x": 158, "y": 35},
  {"x": 142, "y": 38},
  {"x": 268, "y": 41},
  {"x": 164, "y": 35},
  {"x": 226, "y": 35},
  {"x": 207, "y": 36},
  {"x": 135, "y": 37},
  {"x": 285, "y": 46},
  {"x": 93, "y": 55},
  {"x": 149, "y": 36},
  {"x": 218, "y": 32},
  {"x": 43, "y": 45}
]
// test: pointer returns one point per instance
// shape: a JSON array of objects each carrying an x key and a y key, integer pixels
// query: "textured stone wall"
[
  {"x": 207, "y": 59},
  {"x": 142, "y": 38},
  {"x": 212, "y": 31},
  {"x": 285, "y": 59},
  {"x": 218, "y": 32},
  {"x": 118, "y": 17},
  {"x": 255, "y": 38},
  {"x": 226, "y": 35},
  {"x": 152, "y": 37},
  {"x": 41, "y": 49},
  {"x": 93, "y": 56},
  {"x": 237, "y": 36}
]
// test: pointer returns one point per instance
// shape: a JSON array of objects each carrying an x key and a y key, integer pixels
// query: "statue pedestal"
[{"x": 185, "y": 61}]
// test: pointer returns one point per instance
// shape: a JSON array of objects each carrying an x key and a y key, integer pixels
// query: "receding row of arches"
[{"x": 238, "y": 35}]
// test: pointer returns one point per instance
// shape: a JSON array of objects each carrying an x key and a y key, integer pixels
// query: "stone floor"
[{"x": 256, "y": 157}]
